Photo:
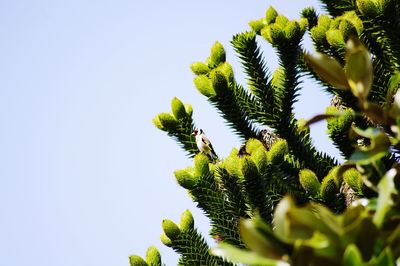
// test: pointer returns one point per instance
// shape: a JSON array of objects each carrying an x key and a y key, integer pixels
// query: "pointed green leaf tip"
[
  {"x": 218, "y": 55},
  {"x": 309, "y": 182},
  {"x": 201, "y": 165},
  {"x": 270, "y": 15},
  {"x": 248, "y": 167},
  {"x": 278, "y": 151},
  {"x": 167, "y": 122},
  {"x": 328, "y": 188},
  {"x": 185, "y": 179},
  {"x": 352, "y": 256},
  {"x": 153, "y": 256},
  {"x": 353, "y": 178},
  {"x": 199, "y": 68},
  {"x": 137, "y": 261},
  {"x": 219, "y": 82},
  {"x": 171, "y": 230},
  {"x": 204, "y": 85},
  {"x": 187, "y": 221},
  {"x": 178, "y": 109}
]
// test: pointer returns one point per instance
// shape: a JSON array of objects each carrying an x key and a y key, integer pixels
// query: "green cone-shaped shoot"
[
  {"x": 135, "y": 260},
  {"x": 204, "y": 85},
  {"x": 248, "y": 167},
  {"x": 278, "y": 151},
  {"x": 218, "y": 55},
  {"x": 270, "y": 15},
  {"x": 201, "y": 165},
  {"x": 165, "y": 240},
  {"x": 219, "y": 82},
  {"x": 257, "y": 25},
  {"x": 153, "y": 257},
  {"x": 168, "y": 122},
  {"x": 335, "y": 38},
  {"x": 199, "y": 68},
  {"x": 293, "y": 30},
  {"x": 171, "y": 230},
  {"x": 328, "y": 188},
  {"x": 185, "y": 179},
  {"x": 187, "y": 221},
  {"x": 178, "y": 109},
  {"x": 353, "y": 178},
  {"x": 309, "y": 181}
]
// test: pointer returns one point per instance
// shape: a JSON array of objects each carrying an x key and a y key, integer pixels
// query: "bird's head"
[{"x": 197, "y": 131}]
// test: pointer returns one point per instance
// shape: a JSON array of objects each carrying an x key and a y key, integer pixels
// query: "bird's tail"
[{"x": 213, "y": 155}]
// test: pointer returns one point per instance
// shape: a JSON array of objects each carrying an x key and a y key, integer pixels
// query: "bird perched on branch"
[{"x": 204, "y": 144}]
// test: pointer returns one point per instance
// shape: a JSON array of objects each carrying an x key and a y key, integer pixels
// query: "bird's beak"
[{"x": 193, "y": 133}]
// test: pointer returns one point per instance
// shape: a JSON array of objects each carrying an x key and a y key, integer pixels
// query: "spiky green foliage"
[
  {"x": 179, "y": 125},
  {"x": 187, "y": 241},
  {"x": 153, "y": 258},
  {"x": 349, "y": 212}
]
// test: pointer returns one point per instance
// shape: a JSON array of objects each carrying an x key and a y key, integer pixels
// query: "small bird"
[{"x": 204, "y": 144}]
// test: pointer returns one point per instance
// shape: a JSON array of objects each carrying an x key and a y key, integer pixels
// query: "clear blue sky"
[{"x": 85, "y": 178}]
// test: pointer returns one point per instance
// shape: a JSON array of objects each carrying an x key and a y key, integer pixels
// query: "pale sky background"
[{"x": 85, "y": 178}]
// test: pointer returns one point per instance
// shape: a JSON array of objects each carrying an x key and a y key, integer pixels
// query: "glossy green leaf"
[
  {"x": 260, "y": 239},
  {"x": 352, "y": 256},
  {"x": 328, "y": 69},
  {"x": 385, "y": 202},
  {"x": 247, "y": 257},
  {"x": 358, "y": 68},
  {"x": 378, "y": 148},
  {"x": 385, "y": 258}
]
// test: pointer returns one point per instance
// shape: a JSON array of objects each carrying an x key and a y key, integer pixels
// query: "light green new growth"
[{"x": 276, "y": 199}]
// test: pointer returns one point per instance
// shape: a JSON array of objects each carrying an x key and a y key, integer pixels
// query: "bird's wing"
[{"x": 207, "y": 142}]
